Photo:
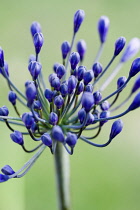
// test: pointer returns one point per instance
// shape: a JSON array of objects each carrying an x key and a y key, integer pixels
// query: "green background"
[{"x": 101, "y": 179}]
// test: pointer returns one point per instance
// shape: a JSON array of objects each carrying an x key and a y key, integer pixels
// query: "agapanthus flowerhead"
[
  {"x": 12, "y": 97},
  {"x": 78, "y": 19},
  {"x": 4, "y": 111},
  {"x": 34, "y": 68},
  {"x": 65, "y": 48},
  {"x": 131, "y": 50},
  {"x": 38, "y": 40},
  {"x": 81, "y": 48},
  {"x": 117, "y": 127},
  {"x": 17, "y": 137},
  {"x": 135, "y": 67},
  {"x": 119, "y": 45},
  {"x": 103, "y": 27},
  {"x": 35, "y": 28}
]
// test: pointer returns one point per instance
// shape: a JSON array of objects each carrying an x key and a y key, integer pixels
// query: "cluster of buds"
[{"x": 59, "y": 113}]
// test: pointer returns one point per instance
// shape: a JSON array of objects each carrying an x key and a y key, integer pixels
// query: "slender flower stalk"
[{"x": 58, "y": 113}]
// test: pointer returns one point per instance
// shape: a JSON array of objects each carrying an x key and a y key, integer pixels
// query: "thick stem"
[{"x": 62, "y": 172}]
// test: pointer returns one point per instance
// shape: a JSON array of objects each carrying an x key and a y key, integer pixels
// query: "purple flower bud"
[
  {"x": 131, "y": 50},
  {"x": 64, "y": 89},
  {"x": 55, "y": 66},
  {"x": 28, "y": 82},
  {"x": 90, "y": 119},
  {"x": 80, "y": 72},
  {"x": 1, "y": 58},
  {"x": 60, "y": 71},
  {"x": 5, "y": 69},
  {"x": 4, "y": 111},
  {"x": 103, "y": 26},
  {"x": 37, "y": 105},
  {"x": 104, "y": 114},
  {"x": 57, "y": 134},
  {"x": 71, "y": 84},
  {"x": 12, "y": 97},
  {"x": 3, "y": 178},
  {"x": 78, "y": 19},
  {"x": 7, "y": 170},
  {"x": 135, "y": 67},
  {"x": 136, "y": 85},
  {"x": 32, "y": 58},
  {"x": 97, "y": 69},
  {"x": 97, "y": 97},
  {"x": 17, "y": 137},
  {"x": 117, "y": 127},
  {"x": 49, "y": 95},
  {"x": 34, "y": 127},
  {"x": 89, "y": 88},
  {"x": 52, "y": 76},
  {"x": 31, "y": 92},
  {"x": 58, "y": 101},
  {"x": 88, "y": 76},
  {"x": 55, "y": 83},
  {"x": 80, "y": 88},
  {"x": 35, "y": 69},
  {"x": 87, "y": 101},
  {"x": 81, "y": 115},
  {"x": 121, "y": 82},
  {"x": 105, "y": 106},
  {"x": 53, "y": 118},
  {"x": 136, "y": 103},
  {"x": 119, "y": 45},
  {"x": 38, "y": 41},
  {"x": 74, "y": 59},
  {"x": 28, "y": 119},
  {"x": 35, "y": 28},
  {"x": 81, "y": 48},
  {"x": 65, "y": 48},
  {"x": 46, "y": 139},
  {"x": 71, "y": 139}
]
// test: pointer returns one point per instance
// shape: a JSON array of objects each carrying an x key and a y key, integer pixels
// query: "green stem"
[{"x": 62, "y": 172}]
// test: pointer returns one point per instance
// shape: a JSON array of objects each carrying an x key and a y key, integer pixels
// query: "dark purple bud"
[
  {"x": 71, "y": 139},
  {"x": 80, "y": 72},
  {"x": 55, "y": 66},
  {"x": 121, "y": 82},
  {"x": 105, "y": 106},
  {"x": 136, "y": 85},
  {"x": 58, "y": 101},
  {"x": 17, "y": 137},
  {"x": 38, "y": 41},
  {"x": 97, "y": 69},
  {"x": 7, "y": 170},
  {"x": 4, "y": 111},
  {"x": 131, "y": 50},
  {"x": 46, "y": 139},
  {"x": 52, "y": 76},
  {"x": 88, "y": 76},
  {"x": 89, "y": 88},
  {"x": 34, "y": 69},
  {"x": 65, "y": 48},
  {"x": 53, "y": 118},
  {"x": 3, "y": 178},
  {"x": 1, "y": 58},
  {"x": 31, "y": 93},
  {"x": 117, "y": 127},
  {"x": 32, "y": 58},
  {"x": 97, "y": 97},
  {"x": 103, "y": 26},
  {"x": 135, "y": 67},
  {"x": 55, "y": 83},
  {"x": 74, "y": 60},
  {"x": 78, "y": 19},
  {"x": 136, "y": 103},
  {"x": 104, "y": 114},
  {"x": 5, "y": 69},
  {"x": 80, "y": 88},
  {"x": 28, "y": 119},
  {"x": 64, "y": 89},
  {"x": 35, "y": 28},
  {"x": 72, "y": 82},
  {"x": 119, "y": 45},
  {"x": 12, "y": 97},
  {"x": 81, "y": 115},
  {"x": 87, "y": 101},
  {"x": 60, "y": 71},
  {"x": 90, "y": 119},
  {"x": 81, "y": 48},
  {"x": 37, "y": 105},
  {"x": 57, "y": 134},
  {"x": 49, "y": 95}
]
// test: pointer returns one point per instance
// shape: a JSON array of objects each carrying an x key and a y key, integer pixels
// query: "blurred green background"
[{"x": 101, "y": 179}]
